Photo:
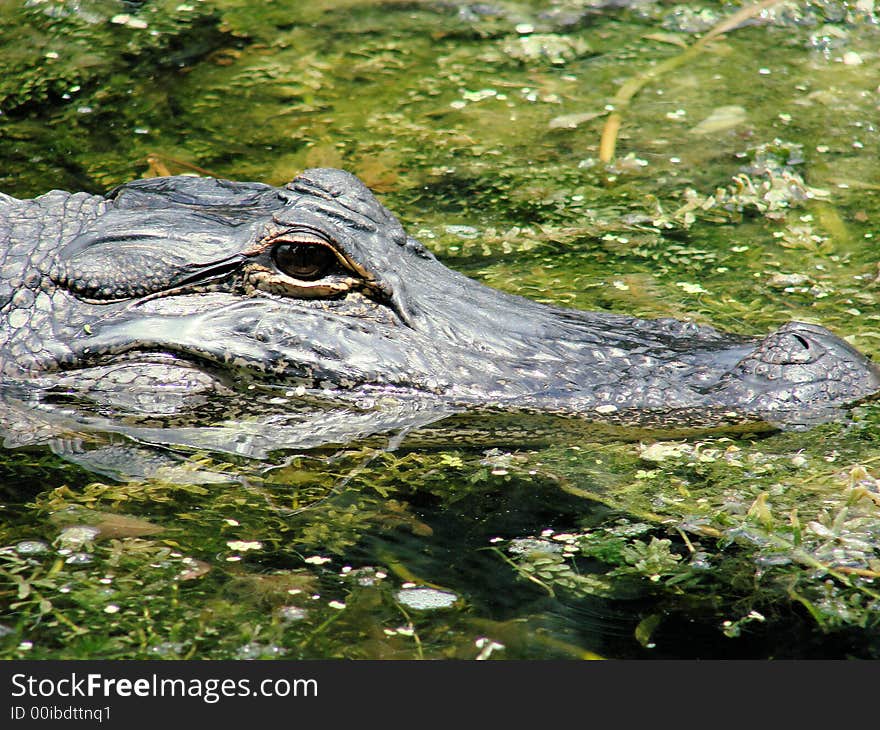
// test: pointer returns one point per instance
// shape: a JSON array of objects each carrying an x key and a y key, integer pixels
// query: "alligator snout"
[
  {"x": 799, "y": 366},
  {"x": 798, "y": 343}
]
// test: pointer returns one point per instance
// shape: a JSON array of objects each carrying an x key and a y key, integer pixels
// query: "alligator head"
[{"x": 181, "y": 284}]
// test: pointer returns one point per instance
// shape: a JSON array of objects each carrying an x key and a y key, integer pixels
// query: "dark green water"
[{"x": 744, "y": 193}]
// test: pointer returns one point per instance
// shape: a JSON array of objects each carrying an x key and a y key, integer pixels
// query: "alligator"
[{"x": 182, "y": 294}]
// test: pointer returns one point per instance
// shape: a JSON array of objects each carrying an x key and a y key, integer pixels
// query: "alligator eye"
[{"x": 304, "y": 261}]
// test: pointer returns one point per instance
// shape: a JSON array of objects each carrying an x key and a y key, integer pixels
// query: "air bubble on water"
[
  {"x": 425, "y": 599},
  {"x": 77, "y": 535},
  {"x": 31, "y": 547},
  {"x": 292, "y": 613}
]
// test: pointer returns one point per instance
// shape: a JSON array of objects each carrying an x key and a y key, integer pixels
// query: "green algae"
[{"x": 480, "y": 128}]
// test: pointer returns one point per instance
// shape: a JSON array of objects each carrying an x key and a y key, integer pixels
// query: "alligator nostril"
[{"x": 804, "y": 343}]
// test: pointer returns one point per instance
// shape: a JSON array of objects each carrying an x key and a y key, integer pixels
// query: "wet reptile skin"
[{"x": 164, "y": 293}]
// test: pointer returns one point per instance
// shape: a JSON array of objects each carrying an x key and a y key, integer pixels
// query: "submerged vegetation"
[{"x": 743, "y": 192}]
